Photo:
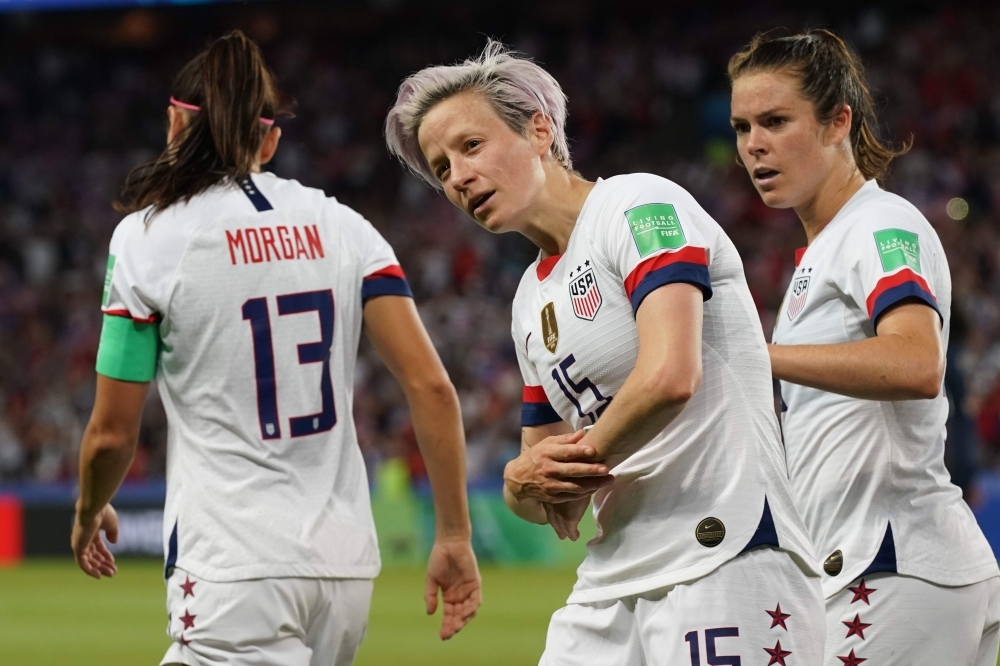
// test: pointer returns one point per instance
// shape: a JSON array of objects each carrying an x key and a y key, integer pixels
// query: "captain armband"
[{"x": 129, "y": 349}]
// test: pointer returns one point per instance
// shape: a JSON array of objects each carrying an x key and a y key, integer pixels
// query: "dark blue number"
[
  {"x": 692, "y": 638},
  {"x": 255, "y": 310},
  {"x": 720, "y": 660},
  {"x": 579, "y": 387},
  {"x": 710, "y": 635},
  {"x": 320, "y": 302}
]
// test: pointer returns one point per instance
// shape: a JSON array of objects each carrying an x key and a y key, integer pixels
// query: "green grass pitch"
[{"x": 52, "y": 614}]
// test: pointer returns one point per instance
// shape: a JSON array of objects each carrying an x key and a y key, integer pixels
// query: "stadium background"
[{"x": 82, "y": 99}]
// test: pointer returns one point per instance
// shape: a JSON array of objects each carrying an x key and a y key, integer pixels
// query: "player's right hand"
[
  {"x": 452, "y": 569},
  {"x": 551, "y": 471},
  {"x": 89, "y": 549}
]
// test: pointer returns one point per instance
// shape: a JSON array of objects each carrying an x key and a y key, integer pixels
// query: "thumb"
[
  {"x": 110, "y": 524},
  {"x": 431, "y": 594}
]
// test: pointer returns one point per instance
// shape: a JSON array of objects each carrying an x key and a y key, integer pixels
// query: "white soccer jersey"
[
  {"x": 711, "y": 485},
  {"x": 869, "y": 476},
  {"x": 258, "y": 292}
]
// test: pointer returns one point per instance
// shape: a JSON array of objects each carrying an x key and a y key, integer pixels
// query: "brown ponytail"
[
  {"x": 234, "y": 89},
  {"x": 831, "y": 75}
]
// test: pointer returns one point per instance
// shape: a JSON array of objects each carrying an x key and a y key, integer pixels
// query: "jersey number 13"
[{"x": 255, "y": 311}]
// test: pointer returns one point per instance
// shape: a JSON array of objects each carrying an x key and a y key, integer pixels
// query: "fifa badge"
[
  {"x": 800, "y": 287},
  {"x": 550, "y": 329},
  {"x": 584, "y": 293}
]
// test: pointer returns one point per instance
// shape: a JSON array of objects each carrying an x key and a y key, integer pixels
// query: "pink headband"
[{"x": 192, "y": 107}]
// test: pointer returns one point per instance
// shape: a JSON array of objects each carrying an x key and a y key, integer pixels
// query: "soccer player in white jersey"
[
  {"x": 859, "y": 345},
  {"x": 244, "y": 294},
  {"x": 635, "y": 320}
]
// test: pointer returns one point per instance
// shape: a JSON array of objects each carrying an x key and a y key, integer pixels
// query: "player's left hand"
[
  {"x": 89, "y": 549},
  {"x": 565, "y": 517},
  {"x": 453, "y": 569}
]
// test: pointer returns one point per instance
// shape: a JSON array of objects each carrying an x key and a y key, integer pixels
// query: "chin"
[{"x": 774, "y": 199}]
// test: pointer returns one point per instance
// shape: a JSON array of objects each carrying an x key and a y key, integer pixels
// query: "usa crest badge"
[
  {"x": 800, "y": 287},
  {"x": 585, "y": 294}
]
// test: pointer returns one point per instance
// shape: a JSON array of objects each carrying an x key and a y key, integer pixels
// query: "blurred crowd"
[{"x": 83, "y": 99}]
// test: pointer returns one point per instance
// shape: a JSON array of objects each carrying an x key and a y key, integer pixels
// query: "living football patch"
[
  {"x": 108, "y": 274},
  {"x": 898, "y": 248},
  {"x": 655, "y": 227}
]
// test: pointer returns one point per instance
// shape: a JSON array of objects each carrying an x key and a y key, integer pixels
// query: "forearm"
[
  {"x": 879, "y": 368},
  {"x": 639, "y": 412},
  {"x": 104, "y": 461},
  {"x": 437, "y": 422},
  {"x": 527, "y": 509}
]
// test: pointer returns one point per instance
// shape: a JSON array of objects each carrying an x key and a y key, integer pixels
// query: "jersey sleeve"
[
  {"x": 892, "y": 261},
  {"x": 130, "y": 332},
  {"x": 382, "y": 274},
  {"x": 535, "y": 407},
  {"x": 657, "y": 236}
]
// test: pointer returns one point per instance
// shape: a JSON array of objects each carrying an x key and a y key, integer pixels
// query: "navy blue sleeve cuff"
[
  {"x": 537, "y": 414},
  {"x": 695, "y": 274},
  {"x": 384, "y": 286}
]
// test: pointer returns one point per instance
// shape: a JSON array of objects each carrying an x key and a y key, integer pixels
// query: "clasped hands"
[{"x": 561, "y": 474}]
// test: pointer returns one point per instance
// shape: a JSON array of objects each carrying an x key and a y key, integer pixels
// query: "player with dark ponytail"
[
  {"x": 859, "y": 347},
  {"x": 244, "y": 295}
]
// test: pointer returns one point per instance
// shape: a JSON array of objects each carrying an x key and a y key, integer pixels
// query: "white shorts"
[
  {"x": 757, "y": 608},
  {"x": 892, "y": 620},
  {"x": 287, "y": 621}
]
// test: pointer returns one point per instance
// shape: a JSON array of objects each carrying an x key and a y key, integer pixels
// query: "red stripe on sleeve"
[
  {"x": 894, "y": 280},
  {"x": 394, "y": 270},
  {"x": 534, "y": 394},
  {"x": 128, "y": 315},
  {"x": 690, "y": 255},
  {"x": 799, "y": 253}
]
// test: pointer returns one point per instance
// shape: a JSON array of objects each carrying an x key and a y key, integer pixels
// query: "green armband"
[{"x": 128, "y": 349}]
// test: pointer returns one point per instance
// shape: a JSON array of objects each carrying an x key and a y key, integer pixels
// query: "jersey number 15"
[{"x": 255, "y": 311}]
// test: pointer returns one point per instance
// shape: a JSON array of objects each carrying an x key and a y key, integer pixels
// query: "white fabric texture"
[
  {"x": 249, "y": 496},
  {"x": 859, "y": 467},
  {"x": 894, "y": 620},
  {"x": 286, "y": 621},
  {"x": 722, "y": 456},
  {"x": 757, "y": 602}
]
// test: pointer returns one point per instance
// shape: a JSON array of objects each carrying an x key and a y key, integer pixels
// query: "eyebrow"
[{"x": 770, "y": 112}]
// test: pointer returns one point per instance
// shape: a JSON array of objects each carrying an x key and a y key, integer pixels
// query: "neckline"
[{"x": 546, "y": 265}]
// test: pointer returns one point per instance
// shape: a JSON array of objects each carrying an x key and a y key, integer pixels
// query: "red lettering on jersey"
[
  {"x": 300, "y": 247},
  {"x": 268, "y": 236},
  {"x": 286, "y": 243},
  {"x": 254, "y": 243},
  {"x": 314, "y": 242},
  {"x": 236, "y": 241}
]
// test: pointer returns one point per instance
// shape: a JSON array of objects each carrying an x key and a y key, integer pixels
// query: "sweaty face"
[
  {"x": 785, "y": 149},
  {"x": 486, "y": 169}
]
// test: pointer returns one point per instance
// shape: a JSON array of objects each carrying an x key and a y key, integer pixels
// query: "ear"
[
  {"x": 839, "y": 128},
  {"x": 540, "y": 133},
  {"x": 270, "y": 145},
  {"x": 176, "y": 121}
]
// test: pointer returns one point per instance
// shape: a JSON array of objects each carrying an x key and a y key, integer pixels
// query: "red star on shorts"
[
  {"x": 185, "y": 642},
  {"x": 777, "y": 655},
  {"x": 188, "y": 586},
  {"x": 188, "y": 619},
  {"x": 856, "y": 627},
  {"x": 851, "y": 660},
  {"x": 778, "y": 618},
  {"x": 861, "y": 592}
]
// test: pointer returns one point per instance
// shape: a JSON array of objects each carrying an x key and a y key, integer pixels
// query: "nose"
[
  {"x": 460, "y": 174},
  {"x": 755, "y": 143}
]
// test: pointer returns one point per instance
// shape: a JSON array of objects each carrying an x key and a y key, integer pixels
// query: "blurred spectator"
[{"x": 83, "y": 99}]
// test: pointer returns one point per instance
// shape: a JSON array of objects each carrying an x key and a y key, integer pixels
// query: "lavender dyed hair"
[{"x": 516, "y": 88}]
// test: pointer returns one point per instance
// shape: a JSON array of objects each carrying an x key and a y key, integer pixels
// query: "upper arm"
[
  {"x": 892, "y": 261},
  {"x": 395, "y": 329},
  {"x": 657, "y": 235},
  {"x": 118, "y": 408},
  {"x": 669, "y": 327}
]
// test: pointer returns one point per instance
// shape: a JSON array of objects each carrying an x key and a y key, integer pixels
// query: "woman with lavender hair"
[{"x": 647, "y": 384}]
